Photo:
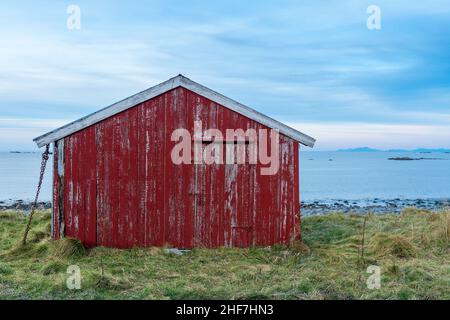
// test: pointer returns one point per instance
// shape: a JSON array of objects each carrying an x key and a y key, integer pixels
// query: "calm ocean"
[{"x": 323, "y": 176}]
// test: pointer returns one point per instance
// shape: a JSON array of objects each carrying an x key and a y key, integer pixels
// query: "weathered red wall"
[{"x": 121, "y": 189}]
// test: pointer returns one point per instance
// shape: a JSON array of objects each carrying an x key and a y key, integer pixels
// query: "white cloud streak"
[{"x": 332, "y": 136}]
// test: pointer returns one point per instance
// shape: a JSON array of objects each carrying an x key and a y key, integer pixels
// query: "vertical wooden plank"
[
  {"x": 68, "y": 187},
  {"x": 290, "y": 185},
  {"x": 157, "y": 225},
  {"x": 170, "y": 210},
  {"x": 216, "y": 184},
  {"x": 275, "y": 207},
  {"x": 264, "y": 202},
  {"x": 214, "y": 174},
  {"x": 104, "y": 152},
  {"x": 117, "y": 179},
  {"x": 173, "y": 204},
  {"x": 250, "y": 176},
  {"x": 127, "y": 175},
  {"x": 78, "y": 183},
  {"x": 230, "y": 187},
  {"x": 296, "y": 194},
  {"x": 144, "y": 145},
  {"x": 230, "y": 204},
  {"x": 106, "y": 201},
  {"x": 62, "y": 191},
  {"x": 116, "y": 182},
  {"x": 151, "y": 127},
  {"x": 179, "y": 177},
  {"x": 209, "y": 190},
  {"x": 55, "y": 193},
  {"x": 80, "y": 186},
  {"x": 58, "y": 190},
  {"x": 219, "y": 223},
  {"x": 188, "y": 172},
  {"x": 88, "y": 190},
  {"x": 243, "y": 224},
  {"x": 261, "y": 189},
  {"x": 239, "y": 226},
  {"x": 201, "y": 224},
  {"x": 285, "y": 200}
]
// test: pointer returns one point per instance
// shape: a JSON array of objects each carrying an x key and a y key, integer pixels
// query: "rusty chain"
[{"x": 45, "y": 157}]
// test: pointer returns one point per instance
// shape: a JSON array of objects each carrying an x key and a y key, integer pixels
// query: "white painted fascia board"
[
  {"x": 178, "y": 81},
  {"x": 246, "y": 111},
  {"x": 107, "y": 112}
]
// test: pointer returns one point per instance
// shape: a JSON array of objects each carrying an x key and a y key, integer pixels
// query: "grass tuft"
[
  {"x": 383, "y": 244},
  {"x": 39, "y": 235},
  {"x": 68, "y": 247},
  {"x": 29, "y": 250},
  {"x": 301, "y": 248},
  {"x": 411, "y": 249},
  {"x": 53, "y": 267},
  {"x": 108, "y": 282}
]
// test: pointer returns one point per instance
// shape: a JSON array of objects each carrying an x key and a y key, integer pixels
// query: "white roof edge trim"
[
  {"x": 247, "y": 111},
  {"x": 178, "y": 81}
]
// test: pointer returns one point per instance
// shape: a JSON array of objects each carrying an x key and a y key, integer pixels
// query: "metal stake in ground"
[{"x": 34, "y": 205}]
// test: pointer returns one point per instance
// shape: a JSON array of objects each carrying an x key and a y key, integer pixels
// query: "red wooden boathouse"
[{"x": 115, "y": 183}]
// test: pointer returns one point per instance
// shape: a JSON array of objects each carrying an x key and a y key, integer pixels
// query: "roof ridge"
[{"x": 172, "y": 83}]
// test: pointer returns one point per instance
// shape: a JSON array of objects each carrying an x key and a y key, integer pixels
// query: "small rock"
[{"x": 176, "y": 251}]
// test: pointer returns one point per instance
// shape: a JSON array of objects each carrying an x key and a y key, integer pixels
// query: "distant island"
[
  {"x": 360, "y": 149},
  {"x": 419, "y": 150},
  {"x": 27, "y": 152},
  {"x": 413, "y": 159}
]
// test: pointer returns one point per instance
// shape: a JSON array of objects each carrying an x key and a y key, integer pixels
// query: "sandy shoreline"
[{"x": 316, "y": 207}]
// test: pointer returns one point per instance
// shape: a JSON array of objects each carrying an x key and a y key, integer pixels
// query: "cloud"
[
  {"x": 331, "y": 136},
  {"x": 72, "y": 72},
  {"x": 21, "y": 123},
  {"x": 311, "y": 62},
  {"x": 18, "y": 133}
]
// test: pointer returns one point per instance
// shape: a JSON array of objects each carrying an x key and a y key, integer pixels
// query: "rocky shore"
[
  {"x": 23, "y": 205},
  {"x": 370, "y": 205},
  {"x": 308, "y": 208}
]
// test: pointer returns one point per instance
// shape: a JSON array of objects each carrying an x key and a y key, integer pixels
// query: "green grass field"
[{"x": 412, "y": 250}]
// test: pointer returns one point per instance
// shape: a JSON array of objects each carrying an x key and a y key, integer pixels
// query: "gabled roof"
[{"x": 178, "y": 81}]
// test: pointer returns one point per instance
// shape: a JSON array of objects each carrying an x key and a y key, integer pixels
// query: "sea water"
[{"x": 323, "y": 176}]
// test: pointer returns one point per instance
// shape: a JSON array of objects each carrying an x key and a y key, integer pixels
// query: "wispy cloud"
[
  {"x": 304, "y": 62},
  {"x": 383, "y": 136}
]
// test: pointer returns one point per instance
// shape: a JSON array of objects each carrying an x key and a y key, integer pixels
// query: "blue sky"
[{"x": 311, "y": 64}]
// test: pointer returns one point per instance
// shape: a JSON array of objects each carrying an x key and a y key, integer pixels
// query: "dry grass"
[
  {"x": 68, "y": 247},
  {"x": 385, "y": 245},
  {"x": 412, "y": 250}
]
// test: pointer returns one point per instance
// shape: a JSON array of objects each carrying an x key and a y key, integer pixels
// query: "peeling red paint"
[{"x": 121, "y": 189}]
